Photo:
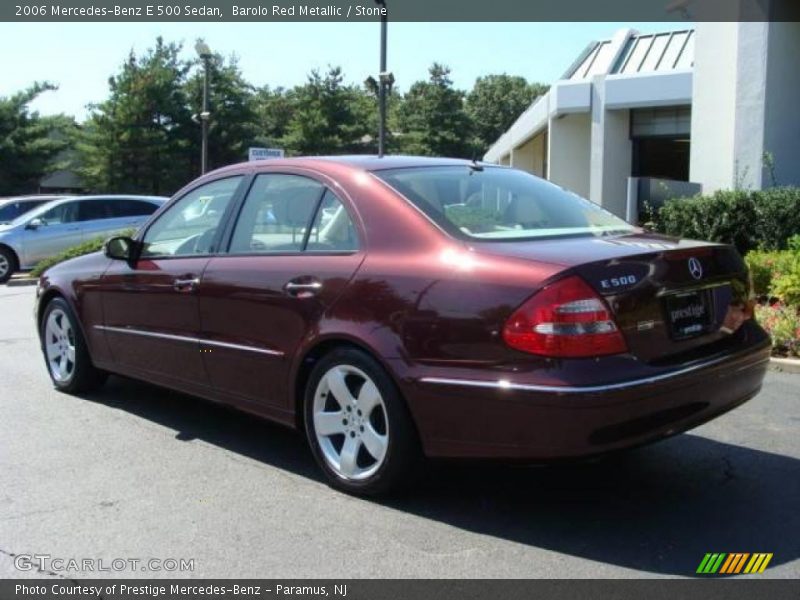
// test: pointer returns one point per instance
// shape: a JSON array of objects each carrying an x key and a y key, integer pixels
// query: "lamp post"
[
  {"x": 385, "y": 79},
  {"x": 204, "y": 52}
]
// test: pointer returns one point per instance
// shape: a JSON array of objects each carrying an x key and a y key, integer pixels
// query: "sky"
[{"x": 80, "y": 57}]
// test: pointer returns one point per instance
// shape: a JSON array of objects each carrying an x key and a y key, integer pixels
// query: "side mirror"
[
  {"x": 119, "y": 248},
  {"x": 34, "y": 224}
]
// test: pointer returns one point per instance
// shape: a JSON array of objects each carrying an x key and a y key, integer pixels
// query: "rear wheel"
[
  {"x": 8, "y": 264},
  {"x": 65, "y": 351},
  {"x": 358, "y": 426}
]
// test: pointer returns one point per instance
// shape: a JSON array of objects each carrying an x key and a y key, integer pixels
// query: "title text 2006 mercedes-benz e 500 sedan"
[{"x": 396, "y": 308}]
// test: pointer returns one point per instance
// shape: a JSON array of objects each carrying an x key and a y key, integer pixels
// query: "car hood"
[{"x": 573, "y": 251}]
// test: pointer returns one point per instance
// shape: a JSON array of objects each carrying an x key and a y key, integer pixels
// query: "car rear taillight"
[{"x": 565, "y": 319}]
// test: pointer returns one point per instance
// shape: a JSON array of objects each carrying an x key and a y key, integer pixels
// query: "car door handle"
[
  {"x": 185, "y": 285},
  {"x": 303, "y": 289}
]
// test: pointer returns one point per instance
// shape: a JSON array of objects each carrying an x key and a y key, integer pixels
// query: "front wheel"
[
  {"x": 65, "y": 351},
  {"x": 7, "y": 265},
  {"x": 358, "y": 426}
]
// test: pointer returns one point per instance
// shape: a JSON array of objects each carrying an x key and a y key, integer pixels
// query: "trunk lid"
[{"x": 669, "y": 297}]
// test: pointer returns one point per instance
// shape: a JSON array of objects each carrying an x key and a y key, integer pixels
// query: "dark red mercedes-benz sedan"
[{"x": 401, "y": 307}]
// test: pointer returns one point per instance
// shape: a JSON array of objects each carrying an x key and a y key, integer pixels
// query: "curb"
[
  {"x": 20, "y": 281},
  {"x": 787, "y": 365}
]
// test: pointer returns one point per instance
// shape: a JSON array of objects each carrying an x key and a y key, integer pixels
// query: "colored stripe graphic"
[
  {"x": 758, "y": 563},
  {"x": 733, "y": 563},
  {"x": 711, "y": 563}
]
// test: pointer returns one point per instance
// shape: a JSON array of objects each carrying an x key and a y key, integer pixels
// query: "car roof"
[
  {"x": 371, "y": 162},
  {"x": 366, "y": 162},
  {"x": 121, "y": 197},
  {"x": 32, "y": 197}
]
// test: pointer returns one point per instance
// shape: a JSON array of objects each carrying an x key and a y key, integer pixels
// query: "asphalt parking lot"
[{"x": 137, "y": 472}]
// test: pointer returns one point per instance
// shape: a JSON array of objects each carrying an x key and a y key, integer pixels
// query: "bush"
[
  {"x": 777, "y": 217},
  {"x": 765, "y": 267},
  {"x": 84, "y": 248},
  {"x": 786, "y": 281},
  {"x": 782, "y": 322},
  {"x": 749, "y": 220}
]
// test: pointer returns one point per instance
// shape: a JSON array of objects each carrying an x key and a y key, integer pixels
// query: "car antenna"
[{"x": 475, "y": 166}]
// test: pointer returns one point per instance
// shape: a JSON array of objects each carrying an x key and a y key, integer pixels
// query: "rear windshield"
[{"x": 499, "y": 204}]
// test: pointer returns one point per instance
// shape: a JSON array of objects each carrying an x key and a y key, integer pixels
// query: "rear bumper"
[{"x": 495, "y": 418}]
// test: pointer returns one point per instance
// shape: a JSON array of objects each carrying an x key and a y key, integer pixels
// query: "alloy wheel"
[
  {"x": 4, "y": 266},
  {"x": 350, "y": 422},
  {"x": 60, "y": 345}
]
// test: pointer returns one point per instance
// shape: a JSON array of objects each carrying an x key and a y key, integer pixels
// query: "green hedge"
[
  {"x": 749, "y": 220},
  {"x": 776, "y": 273},
  {"x": 85, "y": 248}
]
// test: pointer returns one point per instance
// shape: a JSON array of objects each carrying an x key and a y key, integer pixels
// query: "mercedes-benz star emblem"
[{"x": 695, "y": 268}]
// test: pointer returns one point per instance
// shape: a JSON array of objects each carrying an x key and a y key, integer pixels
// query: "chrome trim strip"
[
  {"x": 191, "y": 340},
  {"x": 693, "y": 288},
  {"x": 504, "y": 384}
]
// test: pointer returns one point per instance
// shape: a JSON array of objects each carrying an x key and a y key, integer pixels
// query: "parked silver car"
[{"x": 61, "y": 224}]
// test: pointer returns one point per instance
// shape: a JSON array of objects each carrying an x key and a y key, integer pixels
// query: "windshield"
[
  {"x": 492, "y": 203},
  {"x": 12, "y": 209}
]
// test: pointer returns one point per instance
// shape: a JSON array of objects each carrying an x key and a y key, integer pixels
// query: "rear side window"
[
  {"x": 333, "y": 229},
  {"x": 133, "y": 208},
  {"x": 276, "y": 214},
  {"x": 493, "y": 203},
  {"x": 95, "y": 210}
]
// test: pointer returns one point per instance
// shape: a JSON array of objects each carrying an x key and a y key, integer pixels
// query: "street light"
[
  {"x": 385, "y": 79},
  {"x": 204, "y": 52}
]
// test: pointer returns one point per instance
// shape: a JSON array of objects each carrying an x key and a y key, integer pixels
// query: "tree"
[
  {"x": 274, "y": 111},
  {"x": 495, "y": 102},
  {"x": 432, "y": 117},
  {"x": 30, "y": 145},
  {"x": 325, "y": 119},
  {"x": 233, "y": 123},
  {"x": 138, "y": 140}
]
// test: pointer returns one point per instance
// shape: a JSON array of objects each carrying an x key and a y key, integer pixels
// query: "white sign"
[{"x": 264, "y": 153}]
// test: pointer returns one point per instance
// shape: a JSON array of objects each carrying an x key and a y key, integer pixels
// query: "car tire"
[
  {"x": 358, "y": 425},
  {"x": 65, "y": 352},
  {"x": 8, "y": 264}
]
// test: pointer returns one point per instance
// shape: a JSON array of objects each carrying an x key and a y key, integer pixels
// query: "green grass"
[{"x": 81, "y": 249}]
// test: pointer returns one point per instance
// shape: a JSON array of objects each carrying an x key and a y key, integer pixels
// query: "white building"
[{"x": 641, "y": 117}]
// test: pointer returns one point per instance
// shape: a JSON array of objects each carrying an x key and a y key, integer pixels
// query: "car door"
[
  {"x": 51, "y": 232},
  {"x": 291, "y": 252},
  {"x": 151, "y": 317}
]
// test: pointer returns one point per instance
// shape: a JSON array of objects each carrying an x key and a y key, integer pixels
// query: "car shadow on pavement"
[{"x": 657, "y": 509}]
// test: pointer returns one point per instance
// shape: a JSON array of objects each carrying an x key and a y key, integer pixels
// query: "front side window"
[
  {"x": 276, "y": 214},
  {"x": 189, "y": 226},
  {"x": 66, "y": 212},
  {"x": 493, "y": 203}
]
